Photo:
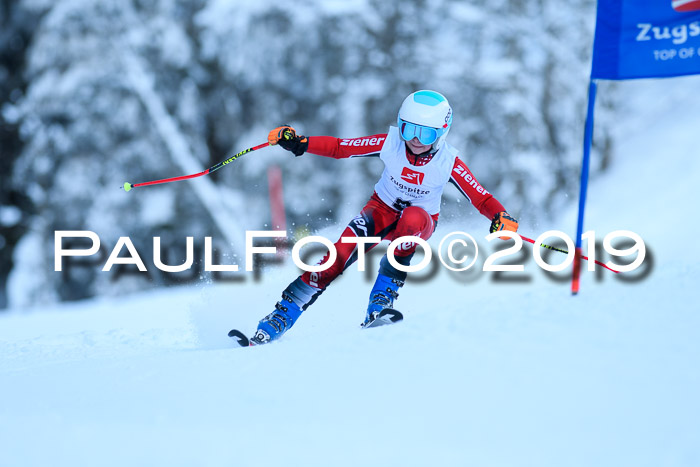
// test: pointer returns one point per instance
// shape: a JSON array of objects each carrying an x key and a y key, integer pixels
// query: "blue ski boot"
[
  {"x": 272, "y": 326},
  {"x": 295, "y": 299},
  {"x": 383, "y": 294}
]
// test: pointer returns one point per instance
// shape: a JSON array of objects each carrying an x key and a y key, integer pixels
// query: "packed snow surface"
[{"x": 482, "y": 372}]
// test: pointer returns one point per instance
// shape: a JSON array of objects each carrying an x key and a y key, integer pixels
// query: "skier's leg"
[
  {"x": 415, "y": 222},
  {"x": 301, "y": 293},
  {"x": 295, "y": 299}
]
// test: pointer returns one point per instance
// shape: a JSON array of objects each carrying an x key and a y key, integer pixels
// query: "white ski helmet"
[{"x": 425, "y": 115}]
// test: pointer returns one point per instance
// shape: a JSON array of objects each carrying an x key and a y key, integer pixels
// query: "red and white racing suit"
[{"x": 406, "y": 199}]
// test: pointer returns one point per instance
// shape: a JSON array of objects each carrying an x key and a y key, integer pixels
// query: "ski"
[
  {"x": 240, "y": 338},
  {"x": 384, "y": 317}
]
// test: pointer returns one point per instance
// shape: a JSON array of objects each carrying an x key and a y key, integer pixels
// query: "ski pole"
[
  {"x": 128, "y": 186},
  {"x": 566, "y": 252}
]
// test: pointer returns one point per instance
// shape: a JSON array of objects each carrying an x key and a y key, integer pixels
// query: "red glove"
[{"x": 503, "y": 221}]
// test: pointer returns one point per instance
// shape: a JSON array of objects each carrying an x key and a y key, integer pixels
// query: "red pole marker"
[{"x": 277, "y": 211}]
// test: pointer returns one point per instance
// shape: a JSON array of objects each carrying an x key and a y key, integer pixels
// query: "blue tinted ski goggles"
[{"x": 425, "y": 134}]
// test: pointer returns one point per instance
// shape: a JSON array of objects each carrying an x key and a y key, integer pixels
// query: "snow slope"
[{"x": 481, "y": 373}]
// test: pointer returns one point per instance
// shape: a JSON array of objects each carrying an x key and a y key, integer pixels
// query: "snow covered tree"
[
  {"x": 15, "y": 207},
  {"x": 86, "y": 129}
]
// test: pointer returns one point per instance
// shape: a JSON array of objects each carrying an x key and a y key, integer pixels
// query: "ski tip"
[
  {"x": 127, "y": 186},
  {"x": 384, "y": 317},
  {"x": 240, "y": 338}
]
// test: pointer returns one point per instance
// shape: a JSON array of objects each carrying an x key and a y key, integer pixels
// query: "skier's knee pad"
[{"x": 414, "y": 221}]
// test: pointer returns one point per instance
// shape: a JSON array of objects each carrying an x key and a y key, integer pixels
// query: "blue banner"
[{"x": 646, "y": 39}]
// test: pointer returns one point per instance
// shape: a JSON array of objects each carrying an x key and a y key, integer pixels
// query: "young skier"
[{"x": 418, "y": 163}]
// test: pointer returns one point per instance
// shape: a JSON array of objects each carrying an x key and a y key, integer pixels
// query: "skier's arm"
[
  {"x": 465, "y": 182},
  {"x": 327, "y": 146},
  {"x": 482, "y": 200},
  {"x": 342, "y": 148}
]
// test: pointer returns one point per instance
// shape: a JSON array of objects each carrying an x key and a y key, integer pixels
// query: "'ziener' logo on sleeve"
[
  {"x": 466, "y": 175},
  {"x": 361, "y": 142}
]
